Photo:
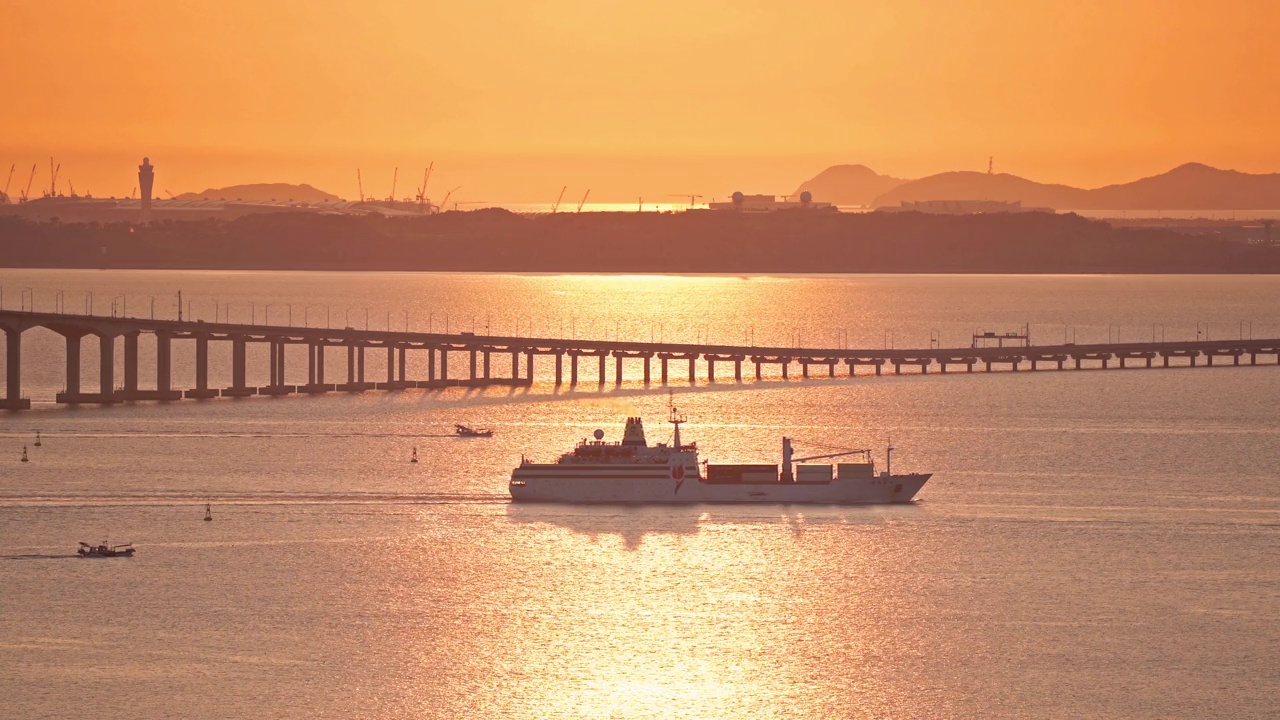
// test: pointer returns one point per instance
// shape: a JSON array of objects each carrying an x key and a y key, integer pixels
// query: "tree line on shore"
[{"x": 694, "y": 242}]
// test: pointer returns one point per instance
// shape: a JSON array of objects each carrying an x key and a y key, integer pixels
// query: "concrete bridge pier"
[
  {"x": 647, "y": 363},
  {"x": 663, "y": 361},
  {"x": 130, "y": 365},
  {"x": 13, "y": 399},
  {"x": 603, "y": 367},
  {"x": 444, "y": 364},
  {"x": 559, "y": 368},
  {"x": 573, "y": 368},
  {"x": 164, "y": 367},
  {"x": 486, "y": 364},
  {"x": 737, "y": 370},
  {"x": 276, "y": 384},
  {"x": 515, "y": 365},
  {"x": 473, "y": 364},
  {"x": 693, "y": 368},
  {"x": 201, "y": 391},
  {"x": 239, "y": 345},
  {"x": 711, "y": 370},
  {"x": 71, "y": 394},
  {"x": 758, "y": 374},
  {"x": 617, "y": 367},
  {"x": 528, "y": 367},
  {"x": 107, "y": 367}
]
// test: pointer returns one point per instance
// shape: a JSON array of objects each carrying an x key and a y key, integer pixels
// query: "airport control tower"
[{"x": 146, "y": 178}]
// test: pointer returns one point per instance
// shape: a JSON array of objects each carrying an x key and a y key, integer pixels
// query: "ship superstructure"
[{"x": 632, "y": 471}]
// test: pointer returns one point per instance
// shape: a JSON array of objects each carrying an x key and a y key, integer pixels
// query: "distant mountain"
[
  {"x": 849, "y": 185},
  {"x": 968, "y": 185},
  {"x": 262, "y": 191},
  {"x": 1192, "y": 186}
]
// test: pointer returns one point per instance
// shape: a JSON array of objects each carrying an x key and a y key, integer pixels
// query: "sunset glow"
[{"x": 514, "y": 100}]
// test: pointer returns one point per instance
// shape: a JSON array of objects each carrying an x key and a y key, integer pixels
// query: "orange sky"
[{"x": 512, "y": 100}]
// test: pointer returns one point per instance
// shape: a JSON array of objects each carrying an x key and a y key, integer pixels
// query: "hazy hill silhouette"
[
  {"x": 1192, "y": 186},
  {"x": 262, "y": 191},
  {"x": 968, "y": 185},
  {"x": 849, "y": 185}
]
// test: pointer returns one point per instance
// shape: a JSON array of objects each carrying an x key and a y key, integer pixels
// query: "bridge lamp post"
[
  {"x": 28, "y": 292},
  {"x": 406, "y": 321},
  {"x": 60, "y": 302},
  {"x": 290, "y": 305},
  {"x": 366, "y": 319},
  {"x": 266, "y": 314}
]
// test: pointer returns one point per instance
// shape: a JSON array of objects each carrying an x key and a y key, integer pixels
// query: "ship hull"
[{"x": 534, "y": 485}]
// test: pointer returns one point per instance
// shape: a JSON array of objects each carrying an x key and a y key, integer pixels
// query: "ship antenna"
[{"x": 888, "y": 458}]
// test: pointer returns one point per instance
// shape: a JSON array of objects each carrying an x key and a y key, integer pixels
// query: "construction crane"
[
  {"x": 446, "y": 197},
  {"x": 469, "y": 202},
  {"x": 583, "y": 201},
  {"x": 692, "y": 197},
  {"x": 557, "y": 205},
  {"x": 360, "y": 184},
  {"x": 422, "y": 191},
  {"x": 27, "y": 192},
  {"x": 395, "y": 176},
  {"x": 6, "y": 182},
  {"x": 787, "y": 458},
  {"x": 171, "y": 197},
  {"x": 53, "y": 182}
]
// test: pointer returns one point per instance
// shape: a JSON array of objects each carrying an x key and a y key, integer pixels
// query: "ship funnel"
[{"x": 634, "y": 433}]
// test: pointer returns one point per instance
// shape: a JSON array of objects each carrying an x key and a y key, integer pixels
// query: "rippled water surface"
[{"x": 1093, "y": 544}]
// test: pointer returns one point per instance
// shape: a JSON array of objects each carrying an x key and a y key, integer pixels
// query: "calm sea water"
[{"x": 1094, "y": 544}]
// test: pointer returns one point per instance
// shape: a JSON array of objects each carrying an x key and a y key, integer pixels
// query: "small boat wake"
[{"x": 36, "y": 556}]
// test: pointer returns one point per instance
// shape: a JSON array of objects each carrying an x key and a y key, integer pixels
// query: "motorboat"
[
  {"x": 470, "y": 432},
  {"x": 105, "y": 551}
]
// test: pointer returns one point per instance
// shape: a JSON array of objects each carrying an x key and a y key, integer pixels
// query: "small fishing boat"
[
  {"x": 469, "y": 432},
  {"x": 105, "y": 551}
]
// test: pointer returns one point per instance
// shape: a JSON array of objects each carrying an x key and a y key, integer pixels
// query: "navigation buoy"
[
  {"x": 24, "y": 453},
  {"x": 208, "y": 512},
  {"x": 37, "y": 438},
  {"x": 414, "y": 458}
]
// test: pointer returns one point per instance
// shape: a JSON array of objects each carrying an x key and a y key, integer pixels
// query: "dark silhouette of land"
[
  {"x": 693, "y": 242},
  {"x": 1192, "y": 186},
  {"x": 261, "y": 192}
]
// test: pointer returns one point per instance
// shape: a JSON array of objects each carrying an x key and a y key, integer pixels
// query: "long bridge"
[{"x": 478, "y": 353}]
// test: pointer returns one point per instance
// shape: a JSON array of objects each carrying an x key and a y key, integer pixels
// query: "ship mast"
[{"x": 676, "y": 419}]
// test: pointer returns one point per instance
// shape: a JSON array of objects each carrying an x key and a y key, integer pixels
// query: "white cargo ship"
[{"x": 632, "y": 471}]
